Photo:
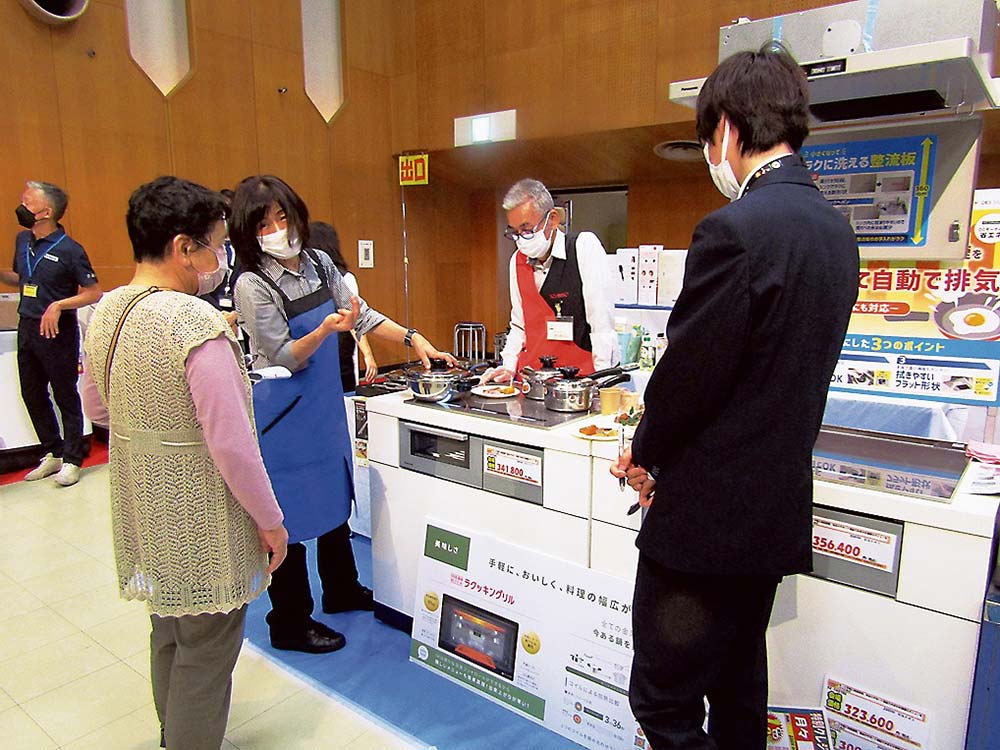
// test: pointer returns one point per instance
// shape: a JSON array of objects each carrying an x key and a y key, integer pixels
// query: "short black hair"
[
  {"x": 323, "y": 236},
  {"x": 166, "y": 207},
  {"x": 764, "y": 94},
  {"x": 251, "y": 201}
]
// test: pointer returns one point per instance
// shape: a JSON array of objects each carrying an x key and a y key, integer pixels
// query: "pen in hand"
[{"x": 621, "y": 452}]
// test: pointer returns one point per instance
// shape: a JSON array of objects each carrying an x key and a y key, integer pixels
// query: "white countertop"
[
  {"x": 562, "y": 438},
  {"x": 966, "y": 513}
]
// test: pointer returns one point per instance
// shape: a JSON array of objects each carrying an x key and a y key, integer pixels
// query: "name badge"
[
  {"x": 50, "y": 256},
  {"x": 30, "y": 290},
  {"x": 226, "y": 303},
  {"x": 560, "y": 329}
]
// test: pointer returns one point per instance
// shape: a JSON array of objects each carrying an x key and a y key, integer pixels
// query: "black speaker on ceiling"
[{"x": 56, "y": 12}]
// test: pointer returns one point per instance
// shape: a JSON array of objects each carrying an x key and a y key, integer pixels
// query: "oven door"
[{"x": 453, "y": 456}]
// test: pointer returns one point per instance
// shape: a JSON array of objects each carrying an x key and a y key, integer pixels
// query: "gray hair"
[
  {"x": 528, "y": 190},
  {"x": 54, "y": 195}
]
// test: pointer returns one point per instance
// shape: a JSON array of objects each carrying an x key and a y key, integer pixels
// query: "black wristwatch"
[{"x": 408, "y": 338}]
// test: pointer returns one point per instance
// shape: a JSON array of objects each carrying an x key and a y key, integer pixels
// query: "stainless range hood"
[
  {"x": 894, "y": 89},
  {"x": 941, "y": 77},
  {"x": 876, "y": 59}
]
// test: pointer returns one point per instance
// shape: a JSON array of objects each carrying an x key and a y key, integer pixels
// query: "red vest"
[{"x": 536, "y": 313}]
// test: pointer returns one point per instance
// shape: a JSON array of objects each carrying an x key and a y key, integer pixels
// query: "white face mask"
[
  {"x": 722, "y": 173},
  {"x": 537, "y": 246},
  {"x": 280, "y": 244},
  {"x": 208, "y": 281}
]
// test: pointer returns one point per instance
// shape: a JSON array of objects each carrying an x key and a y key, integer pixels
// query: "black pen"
[
  {"x": 636, "y": 506},
  {"x": 621, "y": 450}
]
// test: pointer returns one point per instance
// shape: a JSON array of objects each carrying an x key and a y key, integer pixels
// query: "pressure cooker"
[{"x": 567, "y": 392}]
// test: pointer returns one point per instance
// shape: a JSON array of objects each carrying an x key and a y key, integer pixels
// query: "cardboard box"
[
  {"x": 669, "y": 276},
  {"x": 649, "y": 261},
  {"x": 626, "y": 276},
  {"x": 8, "y": 311}
]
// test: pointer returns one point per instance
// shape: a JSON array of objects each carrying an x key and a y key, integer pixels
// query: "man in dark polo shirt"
[{"x": 55, "y": 278}]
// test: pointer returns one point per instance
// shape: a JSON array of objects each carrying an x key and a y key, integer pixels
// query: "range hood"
[
  {"x": 940, "y": 77},
  {"x": 873, "y": 59}
]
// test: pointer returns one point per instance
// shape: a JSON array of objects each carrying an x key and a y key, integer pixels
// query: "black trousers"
[
  {"x": 42, "y": 362},
  {"x": 699, "y": 636},
  {"x": 291, "y": 597}
]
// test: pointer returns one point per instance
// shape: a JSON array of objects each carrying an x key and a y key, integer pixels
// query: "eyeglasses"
[
  {"x": 220, "y": 251},
  {"x": 525, "y": 234}
]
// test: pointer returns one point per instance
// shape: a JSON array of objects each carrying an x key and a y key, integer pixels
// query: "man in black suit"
[{"x": 732, "y": 412}]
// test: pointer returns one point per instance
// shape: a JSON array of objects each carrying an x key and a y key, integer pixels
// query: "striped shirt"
[{"x": 261, "y": 314}]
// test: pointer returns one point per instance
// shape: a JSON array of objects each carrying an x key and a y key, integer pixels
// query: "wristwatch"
[{"x": 408, "y": 338}]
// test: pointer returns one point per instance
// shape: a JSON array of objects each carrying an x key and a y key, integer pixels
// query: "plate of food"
[
  {"x": 498, "y": 390},
  {"x": 596, "y": 432}
]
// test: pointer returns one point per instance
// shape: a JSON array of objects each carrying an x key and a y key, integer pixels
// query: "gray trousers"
[{"x": 192, "y": 660}]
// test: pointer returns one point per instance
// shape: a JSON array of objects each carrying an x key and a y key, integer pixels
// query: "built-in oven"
[
  {"x": 496, "y": 466},
  {"x": 479, "y": 636},
  {"x": 449, "y": 455}
]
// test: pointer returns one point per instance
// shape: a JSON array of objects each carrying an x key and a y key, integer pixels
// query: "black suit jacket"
[{"x": 734, "y": 406}]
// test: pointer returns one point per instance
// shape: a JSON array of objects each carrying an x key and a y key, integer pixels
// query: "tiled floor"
[{"x": 74, "y": 669}]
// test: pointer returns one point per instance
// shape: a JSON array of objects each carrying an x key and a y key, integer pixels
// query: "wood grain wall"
[{"x": 79, "y": 112}]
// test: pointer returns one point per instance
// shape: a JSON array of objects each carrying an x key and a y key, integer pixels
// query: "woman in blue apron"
[{"x": 293, "y": 304}]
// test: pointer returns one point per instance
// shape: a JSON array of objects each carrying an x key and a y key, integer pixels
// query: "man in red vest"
[{"x": 559, "y": 304}]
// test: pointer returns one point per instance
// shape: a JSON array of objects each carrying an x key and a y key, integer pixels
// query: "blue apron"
[{"x": 302, "y": 426}]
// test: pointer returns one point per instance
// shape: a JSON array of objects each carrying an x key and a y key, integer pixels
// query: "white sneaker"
[
  {"x": 49, "y": 465},
  {"x": 68, "y": 475}
]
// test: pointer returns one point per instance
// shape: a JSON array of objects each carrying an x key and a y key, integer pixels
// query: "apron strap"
[
  {"x": 285, "y": 301},
  {"x": 118, "y": 330}
]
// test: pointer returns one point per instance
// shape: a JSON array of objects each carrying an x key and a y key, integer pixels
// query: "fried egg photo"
[{"x": 976, "y": 320}]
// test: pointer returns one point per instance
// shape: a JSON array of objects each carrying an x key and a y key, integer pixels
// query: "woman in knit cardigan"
[{"x": 193, "y": 512}]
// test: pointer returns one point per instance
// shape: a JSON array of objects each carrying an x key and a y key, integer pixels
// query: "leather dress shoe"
[
  {"x": 317, "y": 638},
  {"x": 359, "y": 599}
]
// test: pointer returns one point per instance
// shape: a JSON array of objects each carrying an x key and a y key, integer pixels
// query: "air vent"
[{"x": 679, "y": 151}]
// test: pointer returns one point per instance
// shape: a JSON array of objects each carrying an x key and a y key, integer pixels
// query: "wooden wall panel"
[
  {"x": 490, "y": 303},
  {"x": 450, "y": 67},
  {"x": 610, "y": 59},
  {"x": 404, "y": 98},
  {"x": 114, "y": 133},
  {"x": 365, "y": 198},
  {"x": 367, "y": 44},
  {"x": 277, "y": 23},
  {"x": 524, "y": 65},
  {"x": 667, "y": 211},
  {"x": 292, "y": 138},
  {"x": 229, "y": 17},
  {"x": 212, "y": 117},
  {"x": 29, "y": 117}
]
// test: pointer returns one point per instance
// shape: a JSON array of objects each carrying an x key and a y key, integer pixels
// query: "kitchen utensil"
[
  {"x": 440, "y": 382},
  {"x": 570, "y": 393},
  {"x": 533, "y": 381}
]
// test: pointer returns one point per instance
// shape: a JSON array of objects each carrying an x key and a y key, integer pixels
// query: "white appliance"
[{"x": 530, "y": 495}]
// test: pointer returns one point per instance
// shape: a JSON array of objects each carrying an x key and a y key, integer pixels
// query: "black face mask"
[{"x": 24, "y": 216}]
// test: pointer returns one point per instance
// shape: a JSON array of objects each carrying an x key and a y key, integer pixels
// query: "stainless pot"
[
  {"x": 440, "y": 382},
  {"x": 533, "y": 381},
  {"x": 570, "y": 393}
]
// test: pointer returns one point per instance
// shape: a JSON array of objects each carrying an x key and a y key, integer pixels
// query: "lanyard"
[
  {"x": 27, "y": 255},
  {"x": 770, "y": 166}
]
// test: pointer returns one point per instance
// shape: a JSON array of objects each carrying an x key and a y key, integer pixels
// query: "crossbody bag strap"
[{"x": 118, "y": 330}]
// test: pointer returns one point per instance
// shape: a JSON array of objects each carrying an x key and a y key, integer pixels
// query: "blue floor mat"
[{"x": 374, "y": 674}]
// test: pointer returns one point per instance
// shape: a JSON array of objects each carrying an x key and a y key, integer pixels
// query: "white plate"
[
  {"x": 490, "y": 391},
  {"x": 602, "y": 438}
]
